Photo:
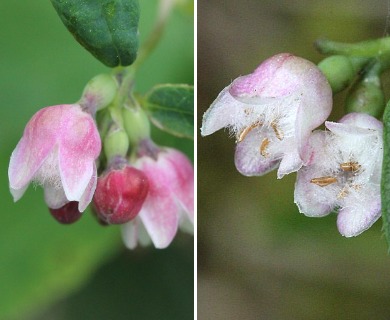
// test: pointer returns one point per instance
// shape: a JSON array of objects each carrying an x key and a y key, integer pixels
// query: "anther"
[
  {"x": 323, "y": 181},
  {"x": 279, "y": 133},
  {"x": 263, "y": 147},
  {"x": 350, "y": 166},
  {"x": 248, "y": 129}
]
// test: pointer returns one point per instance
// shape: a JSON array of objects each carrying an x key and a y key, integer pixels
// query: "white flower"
[
  {"x": 272, "y": 113},
  {"x": 344, "y": 173}
]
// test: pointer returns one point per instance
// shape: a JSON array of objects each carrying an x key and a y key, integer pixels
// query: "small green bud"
[
  {"x": 99, "y": 92},
  {"x": 116, "y": 143},
  {"x": 339, "y": 71},
  {"x": 136, "y": 124},
  {"x": 366, "y": 96}
]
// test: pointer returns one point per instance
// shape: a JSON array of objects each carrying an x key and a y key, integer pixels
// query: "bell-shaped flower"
[
  {"x": 344, "y": 174},
  {"x": 58, "y": 151},
  {"x": 170, "y": 200},
  {"x": 272, "y": 112}
]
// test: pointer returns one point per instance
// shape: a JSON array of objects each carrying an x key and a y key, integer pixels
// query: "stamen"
[
  {"x": 350, "y": 166},
  {"x": 323, "y": 181},
  {"x": 248, "y": 129},
  {"x": 263, "y": 147},
  {"x": 279, "y": 133}
]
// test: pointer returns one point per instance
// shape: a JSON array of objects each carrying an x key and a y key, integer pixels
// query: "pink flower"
[
  {"x": 170, "y": 201},
  {"x": 272, "y": 112},
  {"x": 58, "y": 151},
  {"x": 120, "y": 193},
  {"x": 344, "y": 174}
]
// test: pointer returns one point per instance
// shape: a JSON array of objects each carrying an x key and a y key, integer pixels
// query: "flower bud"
[
  {"x": 99, "y": 92},
  {"x": 120, "y": 194},
  {"x": 338, "y": 70},
  {"x": 136, "y": 124},
  {"x": 67, "y": 214},
  {"x": 116, "y": 143},
  {"x": 366, "y": 96}
]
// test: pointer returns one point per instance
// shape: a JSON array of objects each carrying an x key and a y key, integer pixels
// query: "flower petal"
[
  {"x": 36, "y": 144},
  {"x": 310, "y": 198},
  {"x": 248, "y": 159},
  {"x": 362, "y": 120},
  {"x": 182, "y": 184},
  {"x": 87, "y": 196},
  {"x": 223, "y": 112},
  {"x": 55, "y": 197},
  {"x": 314, "y": 200},
  {"x": 357, "y": 217},
  {"x": 160, "y": 212},
  {"x": 18, "y": 193},
  {"x": 130, "y": 233},
  {"x": 270, "y": 79},
  {"x": 291, "y": 162},
  {"x": 78, "y": 149}
]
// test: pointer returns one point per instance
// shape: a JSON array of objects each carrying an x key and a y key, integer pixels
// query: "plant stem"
[
  {"x": 164, "y": 10},
  {"x": 126, "y": 75}
]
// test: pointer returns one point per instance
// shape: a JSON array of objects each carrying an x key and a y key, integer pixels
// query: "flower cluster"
[
  {"x": 273, "y": 111},
  {"x": 110, "y": 162}
]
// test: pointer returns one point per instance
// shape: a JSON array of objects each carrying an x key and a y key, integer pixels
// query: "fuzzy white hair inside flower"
[{"x": 344, "y": 173}]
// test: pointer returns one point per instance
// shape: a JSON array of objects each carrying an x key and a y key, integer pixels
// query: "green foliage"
[
  {"x": 171, "y": 108},
  {"x": 106, "y": 28},
  {"x": 385, "y": 182}
]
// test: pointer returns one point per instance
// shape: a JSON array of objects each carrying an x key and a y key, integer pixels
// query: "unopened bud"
[
  {"x": 116, "y": 143},
  {"x": 99, "y": 92},
  {"x": 120, "y": 194},
  {"x": 366, "y": 96},
  {"x": 339, "y": 71},
  {"x": 67, "y": 214},
  {"x": 136, "y": 124}
]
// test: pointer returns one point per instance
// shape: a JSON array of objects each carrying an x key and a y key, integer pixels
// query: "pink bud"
[
  {"x": 120, "y": 194},
  {"x": 67, "y": 214}
]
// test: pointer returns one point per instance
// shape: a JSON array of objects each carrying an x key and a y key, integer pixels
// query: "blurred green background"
[
  {"x": 258, "y": 257},
  {"x": 50, "y": 271}
]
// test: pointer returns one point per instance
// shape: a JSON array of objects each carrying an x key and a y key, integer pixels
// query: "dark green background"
[
  {"x": 50, "y": 271},
  {"x": 258, "y": 257}
]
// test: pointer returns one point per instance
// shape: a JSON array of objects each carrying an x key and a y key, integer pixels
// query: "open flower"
[
  {"x": 272, "y": 112},
  {"x": 170, "y": 200},
  {"x": 344, "y": 173},
  {"x": 58, "y": 151}
]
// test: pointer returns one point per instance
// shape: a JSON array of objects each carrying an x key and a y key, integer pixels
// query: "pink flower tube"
[
  {"x": 272, "y": 112},
  {"x": 58, "y": 151},
  {"x": 170, "y": 201}
]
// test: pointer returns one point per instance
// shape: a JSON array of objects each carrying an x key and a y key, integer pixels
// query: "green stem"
[
  {"x": 126, "y": 75},
  {"x": 369, "y": 48},
  {"x": 164, "y": 11}
]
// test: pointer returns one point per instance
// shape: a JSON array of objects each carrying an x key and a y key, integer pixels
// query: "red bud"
[
  {"x": 67, "y": 214},
  {"x": 120, "y": 194}
]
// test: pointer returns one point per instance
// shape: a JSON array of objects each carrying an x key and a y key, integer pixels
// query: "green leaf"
[
  {"x": 171, "y": 108},
  {"x": 385, "y": 182},
  {"x": 106, "y": 28}
]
